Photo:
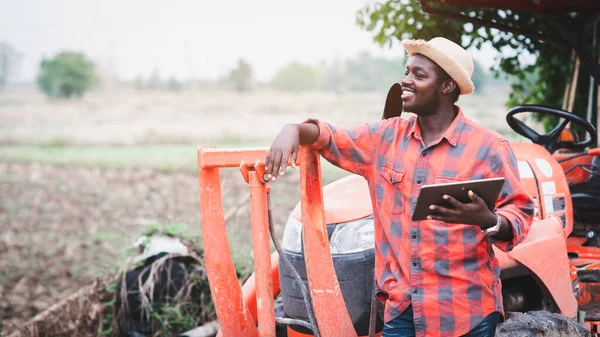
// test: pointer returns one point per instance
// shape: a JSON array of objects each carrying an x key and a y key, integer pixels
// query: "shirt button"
[
  {"x": 414, "y": 236},
  {"x": 419, "y": 181},
  {"x": 423, "y": 154},
  {"x": 415, "y": 290},
  {"x": 414, "y": 264}
]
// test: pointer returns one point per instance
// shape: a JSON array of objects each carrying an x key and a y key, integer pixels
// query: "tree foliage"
[
  {"x": 241, "y": 77},
  {"x": 297, "y": 77},
  {"x": 366, "y": 73},
  {"x": 173, "y": 84},
  {"x": 362, "y": 73},
  {"x": 155, "y": 81},
  {"x": 66, "y": 75},
  {"x": 540, "y": 83},
  {"x": 9, "y": 60}
]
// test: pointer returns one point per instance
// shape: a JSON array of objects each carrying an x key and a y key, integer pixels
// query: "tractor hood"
[{"x": 345, "y": 200}]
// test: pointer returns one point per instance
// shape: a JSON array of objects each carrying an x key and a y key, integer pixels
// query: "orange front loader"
[{"x": 236, "y": 317}]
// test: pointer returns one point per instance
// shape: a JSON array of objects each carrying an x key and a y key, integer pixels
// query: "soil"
[{"x": 64, "y": 227}]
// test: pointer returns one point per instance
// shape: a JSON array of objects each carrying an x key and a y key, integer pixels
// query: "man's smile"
[{"x": 407, "y": 93}]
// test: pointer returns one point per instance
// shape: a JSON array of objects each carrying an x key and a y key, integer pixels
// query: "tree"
[
  {"x": 333, "y": 76},
  {"x": 242, "y": 76},
  {"x": 9, "y": 60},
  {"x": 296, "y": 77},
  {"x": 173, "y": 84},
  {"x": 66, "y": 75},
  {"x": 366, "y": 73},
  {"x": 399, "y": 19},
  {"x": 479, "y": 77},
  {"x": 138, "y": 83},
  {"x": 155, "y": 81}
]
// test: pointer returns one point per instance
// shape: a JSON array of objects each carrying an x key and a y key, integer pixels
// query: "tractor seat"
[
  {"x": 587, "y": 192},
  {"x": 586, "y": 198}
]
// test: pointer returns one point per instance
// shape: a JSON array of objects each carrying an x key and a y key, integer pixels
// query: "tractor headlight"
[
  {"x": 348, "y": 237},
  {"x": 353, "y": 236},
  {"x": 292, "y": 236}
]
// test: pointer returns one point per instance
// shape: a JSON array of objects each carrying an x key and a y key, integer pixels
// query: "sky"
[{"x": 200, "y": 39}]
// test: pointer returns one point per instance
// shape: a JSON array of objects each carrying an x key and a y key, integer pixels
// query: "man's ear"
[{"x": 448, "y": 86}]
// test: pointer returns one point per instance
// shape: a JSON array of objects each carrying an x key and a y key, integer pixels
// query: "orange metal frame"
[{"x": 234, "y": 315}]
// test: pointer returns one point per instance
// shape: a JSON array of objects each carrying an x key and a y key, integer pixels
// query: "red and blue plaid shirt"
[{"x": 448, "y": 272}]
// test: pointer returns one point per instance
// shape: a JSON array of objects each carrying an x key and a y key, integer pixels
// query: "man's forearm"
[{"x": 308, "y": 133}]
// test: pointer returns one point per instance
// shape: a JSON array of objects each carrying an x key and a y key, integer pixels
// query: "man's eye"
[{"x": 419, "y": 75}]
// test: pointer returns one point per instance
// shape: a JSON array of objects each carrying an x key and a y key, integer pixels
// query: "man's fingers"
[
  {"x": 452, "y": 201},
  {"x": 284, "y": 160},
  {"x": 444, "y": 218},
  {"x": 440, "y": 210},
  {"x": 474, "y": 196},
  {"x": 276, "y": 162},
  {"x": 276, "y": 165},
  {"x": 294, "y": 157},
  {"x": 269, "y": 164}
]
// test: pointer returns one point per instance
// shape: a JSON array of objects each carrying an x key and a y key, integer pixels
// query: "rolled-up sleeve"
[
  {"x": 514, "y": 203},
  {"x": 351, "y": 149}
]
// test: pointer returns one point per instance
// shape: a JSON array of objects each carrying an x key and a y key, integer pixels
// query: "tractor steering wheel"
[{"x": 550, "y": 140}]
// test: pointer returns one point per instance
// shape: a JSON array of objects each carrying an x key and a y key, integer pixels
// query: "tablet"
[{"x": 488, "y": 189}]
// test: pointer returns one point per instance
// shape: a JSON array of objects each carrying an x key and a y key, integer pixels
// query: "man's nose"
[{"x": 406, "y": 81}]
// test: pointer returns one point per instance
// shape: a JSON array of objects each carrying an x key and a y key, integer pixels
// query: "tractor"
[{"x": 320, "y": 280}]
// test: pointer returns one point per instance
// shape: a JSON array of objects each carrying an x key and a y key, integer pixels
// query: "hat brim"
[{"x": 457, "y": 73}]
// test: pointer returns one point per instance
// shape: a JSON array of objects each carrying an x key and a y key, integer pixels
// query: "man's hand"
[
  {"x": 474, "y": 213},
  {"x": 284, "y": 148}
]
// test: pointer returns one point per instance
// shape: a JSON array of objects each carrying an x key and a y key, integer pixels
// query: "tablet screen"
[{"x": 487, "y": 189}]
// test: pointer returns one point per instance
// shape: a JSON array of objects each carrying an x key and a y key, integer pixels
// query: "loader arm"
[{"x": 233, "y": 314}]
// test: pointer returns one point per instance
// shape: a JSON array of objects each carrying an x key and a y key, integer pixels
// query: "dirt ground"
[{"x": 62, "y": 226}]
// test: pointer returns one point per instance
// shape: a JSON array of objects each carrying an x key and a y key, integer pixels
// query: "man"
[{"x": 439, "y": 276}]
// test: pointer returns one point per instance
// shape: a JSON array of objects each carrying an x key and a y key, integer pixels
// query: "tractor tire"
[
  {"x": 280, "y": 329},
  {"x": 539, "y": 324}
]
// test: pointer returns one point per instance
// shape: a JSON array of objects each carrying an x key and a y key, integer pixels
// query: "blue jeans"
[{"x": 403, "y": 326}]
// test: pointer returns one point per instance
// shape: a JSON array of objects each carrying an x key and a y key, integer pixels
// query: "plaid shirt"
[{"x": 447, "y": 271}]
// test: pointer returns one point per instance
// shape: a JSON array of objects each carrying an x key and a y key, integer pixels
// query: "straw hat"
[{"x": 451, "y": 57}]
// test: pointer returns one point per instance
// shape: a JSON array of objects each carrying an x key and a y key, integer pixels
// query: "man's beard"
[{"x": 428, "y": 107}]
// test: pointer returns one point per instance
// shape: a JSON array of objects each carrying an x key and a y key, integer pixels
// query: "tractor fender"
[{"x": 544, "y": 253}]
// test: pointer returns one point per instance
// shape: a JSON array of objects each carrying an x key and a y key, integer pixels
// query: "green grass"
[{"x": 164, "y": 157}]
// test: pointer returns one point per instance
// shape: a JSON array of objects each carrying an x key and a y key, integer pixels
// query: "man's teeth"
[{"x": 407, "y": 93}]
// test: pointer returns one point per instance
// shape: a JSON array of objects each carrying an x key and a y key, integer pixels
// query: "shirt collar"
[{"x": 451, "y": 134}]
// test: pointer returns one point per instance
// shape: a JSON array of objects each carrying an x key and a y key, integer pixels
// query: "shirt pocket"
[{"x": 391, "y": 198}]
